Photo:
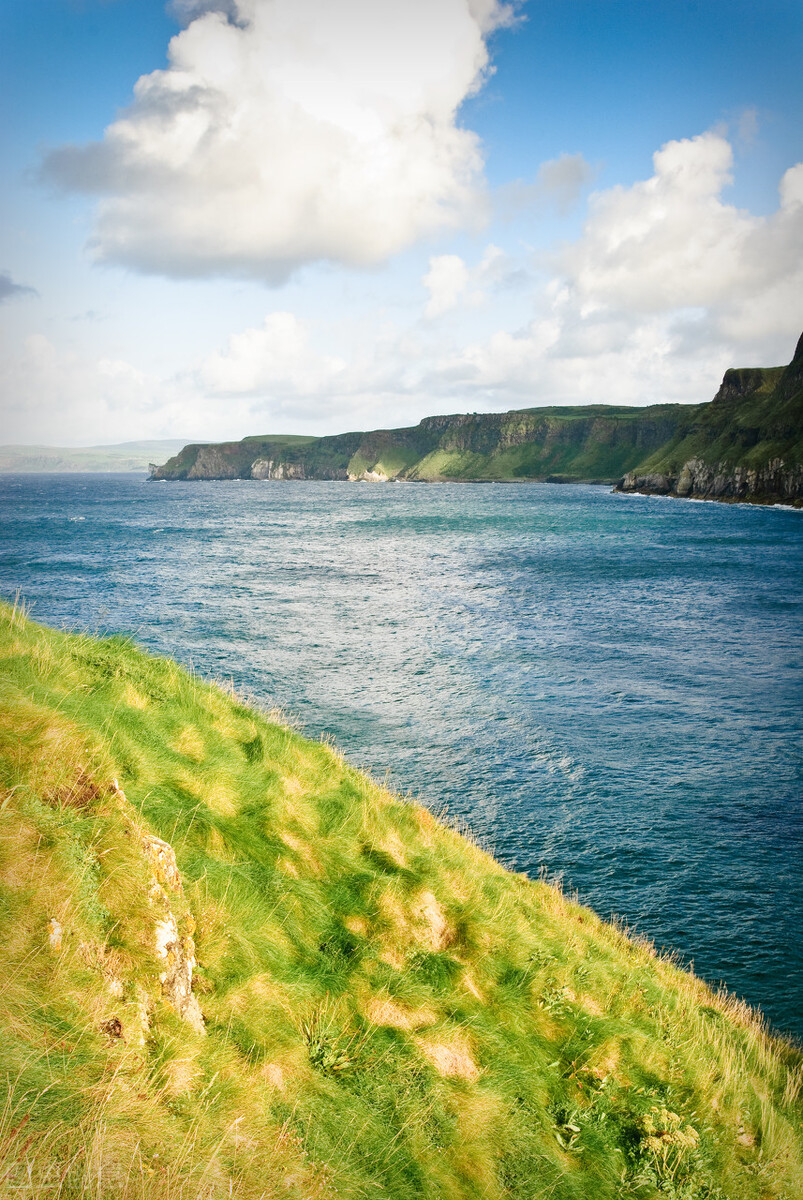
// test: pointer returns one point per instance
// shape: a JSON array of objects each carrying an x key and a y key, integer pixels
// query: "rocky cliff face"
[
  {"x": 269, "y": 468},
  {"x": 747, "y": 444},
  {"x": 777, "y": 483}
]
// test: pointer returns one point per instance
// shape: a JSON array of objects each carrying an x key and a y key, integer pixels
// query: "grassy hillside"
[
  {"x": 747, "y": 444},
  {"x": 233, "y": 966},
  {"x": 598, "y": 442}
]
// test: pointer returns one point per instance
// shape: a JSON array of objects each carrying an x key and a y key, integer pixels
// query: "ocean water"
[{"x": 606, "y": 688}]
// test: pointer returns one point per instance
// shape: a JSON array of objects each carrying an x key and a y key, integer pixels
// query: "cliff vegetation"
[
  {"x": 596, "y": 442},
  {"x": 234, "y": 966}
]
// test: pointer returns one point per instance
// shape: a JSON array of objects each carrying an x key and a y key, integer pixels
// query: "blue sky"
[{"x": 332, "y": 214}]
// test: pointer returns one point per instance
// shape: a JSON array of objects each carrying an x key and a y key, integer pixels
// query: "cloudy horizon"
[{"x": 273, "y": 216}]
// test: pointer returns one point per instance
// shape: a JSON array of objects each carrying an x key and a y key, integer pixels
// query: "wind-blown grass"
[{"x": 388, "y": 1012}]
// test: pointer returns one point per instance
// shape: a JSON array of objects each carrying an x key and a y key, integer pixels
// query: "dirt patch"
[
  {"x": 452, "y": 1059},
  {"x": 591, "y": 1006},
  {"x": 438, "y": 931},
  {"x": 381, "y": 1010}
]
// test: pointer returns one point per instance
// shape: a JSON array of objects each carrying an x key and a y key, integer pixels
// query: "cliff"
[
  {"x": 747, "y": 444},
  {"x": 597, "y": 442},
  {"x": 235, "y": 967}
]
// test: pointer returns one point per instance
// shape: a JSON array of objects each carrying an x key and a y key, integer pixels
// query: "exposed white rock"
[
  {"x": 55, "y": 931},
  {"x": 177, "y": 952}
]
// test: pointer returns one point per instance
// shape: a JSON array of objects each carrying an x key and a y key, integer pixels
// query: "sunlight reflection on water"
[{"x": 603, "y": 686}]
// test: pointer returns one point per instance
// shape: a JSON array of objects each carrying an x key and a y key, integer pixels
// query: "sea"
[{"x": 605, "y": 689}]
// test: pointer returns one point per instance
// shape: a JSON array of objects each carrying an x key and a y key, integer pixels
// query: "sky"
[{"x": 222, "y": 218}]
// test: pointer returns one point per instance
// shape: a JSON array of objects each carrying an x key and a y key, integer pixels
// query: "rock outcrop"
[
  {"x": 746, "y": 445},
  {"x": 176, "y": 950},
  {"x": 774, "y": 484},
  {"x": 170, "y": 936}
]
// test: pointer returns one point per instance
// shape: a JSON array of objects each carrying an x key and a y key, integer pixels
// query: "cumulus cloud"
[
  {"x": 451, "y": 283},
  {"x": 285, "y": 132},
  {"x": 670, "y": 243},
  {"x": 667, "y": 285},
  {"x": 9, "y": 289}
]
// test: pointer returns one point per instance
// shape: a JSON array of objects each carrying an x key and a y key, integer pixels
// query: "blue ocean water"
[{"x": 607, "y": 688}]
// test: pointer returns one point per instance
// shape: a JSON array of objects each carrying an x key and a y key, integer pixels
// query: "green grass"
[
  {"x": 388, "y": 1012},
  {"x": 282, "y": 439},
  {"x": 391, "y": 461}
]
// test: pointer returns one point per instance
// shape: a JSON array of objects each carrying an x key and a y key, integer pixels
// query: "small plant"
[
  {"x": 331, "y": 1050},
  {"x": 555, "y": 1000},
  {"x": 667, "y": 1141}
]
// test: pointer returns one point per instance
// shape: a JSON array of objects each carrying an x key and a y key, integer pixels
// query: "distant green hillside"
[
  {"x": 596, "y": 442},
  {"x": 126, "y": 456},
  {"x": 232, "y": 966},
  {"x": 747, "y": 444}
]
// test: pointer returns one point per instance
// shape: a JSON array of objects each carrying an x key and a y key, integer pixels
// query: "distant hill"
[
  {"x": 746, "y": 444},
  {"x": 597, "y": 442},
  {"x": 126, "y": 456}
]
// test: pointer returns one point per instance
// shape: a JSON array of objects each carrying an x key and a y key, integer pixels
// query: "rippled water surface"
[{"x": 606, "y": 687}]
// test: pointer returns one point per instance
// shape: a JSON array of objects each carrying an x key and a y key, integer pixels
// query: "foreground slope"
[{"x": 232, "y": 965}]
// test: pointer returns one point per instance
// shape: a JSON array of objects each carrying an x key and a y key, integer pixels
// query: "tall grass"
[{"x": 387, "y": 1011}]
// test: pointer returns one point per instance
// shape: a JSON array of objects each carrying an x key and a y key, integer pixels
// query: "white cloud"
[
  {"x": 276, "y": 358},
  {"x": 285, "y": 132},
  {"x": 452, "y": 284},
  {"x": 666, "y": 287},
  {"x": 446, "y": 280},
  {"x": 670, "y": 242}
]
